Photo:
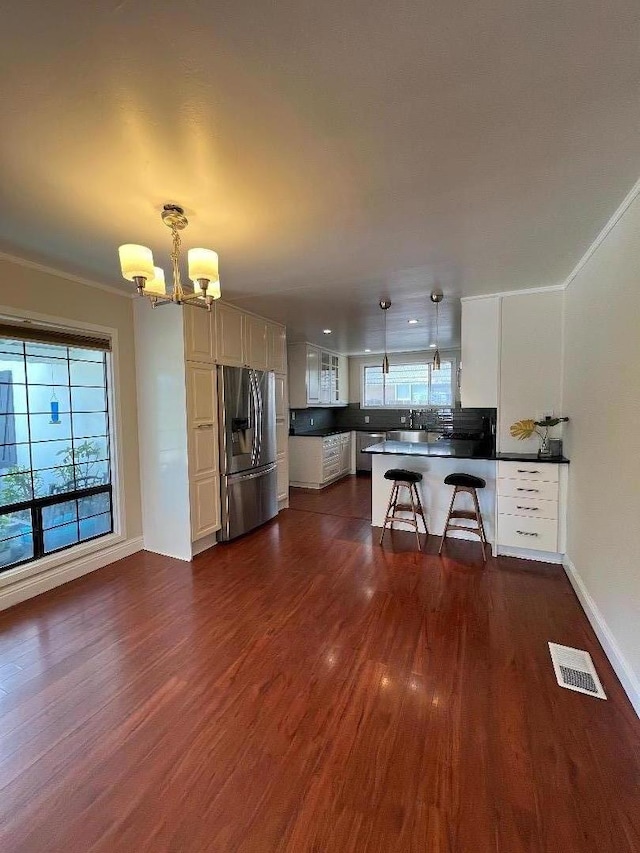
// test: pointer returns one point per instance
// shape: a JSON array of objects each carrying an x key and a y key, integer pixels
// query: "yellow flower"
[{"x": 523, "y": 429}]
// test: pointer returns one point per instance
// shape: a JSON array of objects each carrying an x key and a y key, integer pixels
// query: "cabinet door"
[
  {"x": 283, "y": 478},
  {"x": 276, "y": 348},
  {"x": 346, "y": 455},
  {"x": 313, "y": 375},
  {"x": 256, "y": 342},
  {"x": 230, "y": 336},
  {"x": 343, "y": 379},
  {"x": 201, "y": 395},
  {"x": 480, "y": 352},
  {"x": 202, "y": 442},
  {"x": 325, "y": 379},
  {"x": 205, "y": 507},
  {"x": 281, "y": 397},
  {"x": 199, "y": 334}
]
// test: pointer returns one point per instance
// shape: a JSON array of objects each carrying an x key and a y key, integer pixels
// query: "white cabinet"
[
  {"x": 315, "y": 462},
  {"x": 345, "y": 453},
  {"x": 230, "y": 336},
  {"x": 256, "y": 347},
  {"x": 282, "y": 439},
  {"x": 528, "y": 504},
  {"x": 276, "y": 348},
  {"x": 313, "y": 375},
  {"x": 304, "y": 376},
  {"x": 480, "y": 358},
  {"x": 317, "y": 377},
  {"x": 199, "y": 335},
  {"x": 343, "y": 380},
  {"x": 202, "y": 444}
]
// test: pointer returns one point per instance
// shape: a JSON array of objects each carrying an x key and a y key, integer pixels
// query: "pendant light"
[
  {"x": 385, "y": 304},
  {"x": 436, "y": 298}
]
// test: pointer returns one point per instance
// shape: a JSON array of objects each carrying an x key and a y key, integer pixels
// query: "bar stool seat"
[
  {"x": 402, "y": 478},
  {"x": 467, "y": 480},
  {"x": 465, "y": 483},
  {"x": 402, "y": 475}
]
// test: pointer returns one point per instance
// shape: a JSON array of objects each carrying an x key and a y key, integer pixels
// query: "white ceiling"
[{"x": 332, "y": 152}]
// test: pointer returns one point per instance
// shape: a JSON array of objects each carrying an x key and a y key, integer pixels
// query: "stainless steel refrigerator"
[{"x": 248, "y": 481}]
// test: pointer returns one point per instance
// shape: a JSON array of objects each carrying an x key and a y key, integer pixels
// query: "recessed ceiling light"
[
  {"x": 432, "y": 346},
  {"x": 327, "y": 331},
  {"x": 367, "y": 350},
  {"x": 412, "y": 322}
]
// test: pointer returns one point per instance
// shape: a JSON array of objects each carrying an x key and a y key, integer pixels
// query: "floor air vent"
[{"x": 575, "y": 670}]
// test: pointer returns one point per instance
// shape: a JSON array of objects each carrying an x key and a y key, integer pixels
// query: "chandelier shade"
[
  {"x": 136, "y": 262},
  {"x": 157, "y": 283},
  {"x": 203, "y": 264}
]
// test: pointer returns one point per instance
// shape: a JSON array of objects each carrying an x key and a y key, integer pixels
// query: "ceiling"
[{"x": 332, "y": 153}]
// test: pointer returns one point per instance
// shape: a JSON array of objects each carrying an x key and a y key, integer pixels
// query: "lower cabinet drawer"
[
  {"x": 528, "y": 490},
  {"x": 538, "y": 534},
  {"x": 546, "y": 471},
  {"x": 530, "y": 507},
  {"x": 330, "y": 471}
]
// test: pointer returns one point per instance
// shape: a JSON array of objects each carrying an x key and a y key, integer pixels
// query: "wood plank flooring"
[{"x": 303, "y": 690}]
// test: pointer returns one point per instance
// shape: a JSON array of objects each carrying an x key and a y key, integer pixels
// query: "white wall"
[
  {"x": 162, "y": 415},
  {"x": 357, "y": 362},
  {"x": 530, "y": 363},
  {"x": 602, "y": 397}
]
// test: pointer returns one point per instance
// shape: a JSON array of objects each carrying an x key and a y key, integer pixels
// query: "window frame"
[
  {"x": 76, "y": 554},
  {"x": 400, "y": 362}
]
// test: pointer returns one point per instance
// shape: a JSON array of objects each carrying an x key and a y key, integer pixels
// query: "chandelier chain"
[{"x": 175, "y": 258}]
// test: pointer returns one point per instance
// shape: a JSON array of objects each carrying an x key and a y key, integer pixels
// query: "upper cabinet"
[
  {"x": 199, "y": 335},
  {"x": 480, "y": 352},
  {"x": 276, "y": 348},
  {"x": 255, "y": 329},
  {"x": 317, "y": 377},
  {"x": 244, "y": 340},
  {"x": 230, "y": 335}
]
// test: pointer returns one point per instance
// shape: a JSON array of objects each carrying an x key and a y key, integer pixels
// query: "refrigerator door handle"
[
  {"x": 260, "y": 419},
  {"x": 256, "y": 421},
  {"x": 252, "y": 475}
]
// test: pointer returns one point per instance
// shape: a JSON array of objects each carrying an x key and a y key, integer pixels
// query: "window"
[
  {"x": 55, "y": 471},
  {"x": 408, "y": 386}
]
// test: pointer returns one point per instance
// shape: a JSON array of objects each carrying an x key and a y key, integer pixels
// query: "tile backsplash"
[
  {"x": 300, "y": 419},
  {"x": 353, "y": 417}
]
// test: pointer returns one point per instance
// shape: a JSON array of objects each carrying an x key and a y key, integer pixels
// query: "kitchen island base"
[{"x": 435, "y": 495}]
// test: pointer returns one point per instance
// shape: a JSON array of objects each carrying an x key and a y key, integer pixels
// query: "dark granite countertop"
[
  {"x": 319, "y": 433},
  {"x": 453, "y": 450},
  {"x": 530, "y": 457}
]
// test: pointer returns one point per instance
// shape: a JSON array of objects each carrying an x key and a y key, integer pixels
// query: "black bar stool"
[
  {"x": 407, "y": 479},
  {"x": 465, "y": 483}
]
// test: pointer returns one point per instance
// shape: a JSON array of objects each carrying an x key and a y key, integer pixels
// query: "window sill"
[{"x": 69, "y": 555}]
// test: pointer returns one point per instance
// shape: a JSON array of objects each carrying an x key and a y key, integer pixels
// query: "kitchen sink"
[{"x": 418, "y": 436}]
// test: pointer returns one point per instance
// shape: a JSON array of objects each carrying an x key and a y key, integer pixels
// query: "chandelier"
[{"x": 137, "y": 266}]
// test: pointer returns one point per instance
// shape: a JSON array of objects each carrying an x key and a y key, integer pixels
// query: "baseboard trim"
[
  {"x": 529, "y": 554},
  {"x": 627, "y": 677},
  {"x": 29, "y": 587}
]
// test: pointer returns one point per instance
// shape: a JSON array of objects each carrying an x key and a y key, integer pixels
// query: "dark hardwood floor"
[{"x": 302, "y": 690}]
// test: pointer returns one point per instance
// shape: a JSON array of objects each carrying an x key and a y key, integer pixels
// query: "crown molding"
[
  {"x": 77, "y": 279},
  {"x": 549, "y": 288},
  {"x": 626, "y": 203}
]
